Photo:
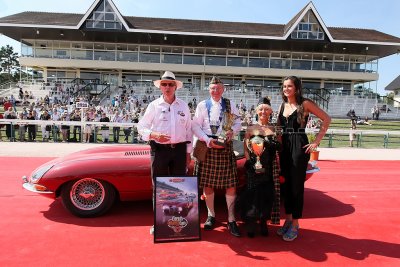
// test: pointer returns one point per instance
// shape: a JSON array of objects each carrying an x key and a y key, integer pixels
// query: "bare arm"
[{"x": 311, "y": 107}]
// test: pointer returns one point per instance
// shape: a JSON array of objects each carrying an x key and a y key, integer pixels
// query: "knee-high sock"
[
  {"x": 230, "y": 202},
  {"x": 210, "y": 204}
]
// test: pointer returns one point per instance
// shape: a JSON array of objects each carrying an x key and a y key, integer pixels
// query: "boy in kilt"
[{"x": 218, "y": 170}]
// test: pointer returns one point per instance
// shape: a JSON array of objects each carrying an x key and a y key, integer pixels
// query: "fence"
[{"x": 333, "y": 137}]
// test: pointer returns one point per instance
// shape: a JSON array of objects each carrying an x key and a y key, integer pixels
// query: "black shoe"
[
  {"x": 251, "y": 228},
  {"x": 264, "y": 228},
  {"x": 210, "y": 223},
  {"x": 233, "y": 229}
]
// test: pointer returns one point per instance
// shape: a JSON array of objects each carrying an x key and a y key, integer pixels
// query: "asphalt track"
[{"x": 351, "y": 217}]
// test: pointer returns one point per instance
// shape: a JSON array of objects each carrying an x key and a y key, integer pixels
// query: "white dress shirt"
[
  {"x": 201, "y": 122},
  {"x": 173, "y": 120}
]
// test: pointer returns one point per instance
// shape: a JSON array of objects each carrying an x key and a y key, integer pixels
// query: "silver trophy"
[
  {"x": 227, "y": 122},
  {"x": 256, "y": 145}
]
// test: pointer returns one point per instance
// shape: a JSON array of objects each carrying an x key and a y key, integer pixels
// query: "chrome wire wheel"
[{"x": 87, "y": 194}]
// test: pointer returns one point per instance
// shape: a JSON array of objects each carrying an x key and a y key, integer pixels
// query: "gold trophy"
[
  {"x": 256, "y": 145},
  {"x": 227, "y": 122}
]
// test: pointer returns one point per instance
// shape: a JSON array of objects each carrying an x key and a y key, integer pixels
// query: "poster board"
[{"x": 176, "y": 209}]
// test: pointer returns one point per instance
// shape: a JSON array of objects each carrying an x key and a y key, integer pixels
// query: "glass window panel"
[
  {"x": 109, "y": 46},
  {"x": 26, "y": 51},
  {"x": 145, "y": 48},
  {"x": 76, "y": 45},
  {"x": 154, "y": 49},
  {"x": 133, "y": 48},
  {"x": 98, "y": 24},
  {"x": 45, "y": 53},
  {"x": 188, "y": 50},
  {"x": 122, "y": 47},
  {"x": 128, "y": 56},
  {"x": 61, "y": 53},
  {"x": 215, "y": 51},
  {"x": 172, "y": 58},
  {"x": 87, "y": 46},
  {"x": 254, "y": 53},
  {"x": 193, "y": 60},
  {"x": 107, "y": 7},
  {"x": 275, "y": 54},
  {"x": 341, "y": 66},
  {"x": 110, "y": 25},
  {"x": 301, "y": 64},
  {"x": 104, "y": 55},
  {"x": 258, "y": 62},
  {"x": 109, "y": 16},
  {"x": 198, "y": 51},
  {"x": 242, "y": 53},
  {"x": 98, "y": 16},
  {"x": 215, "y": 61},
  {"x": 99, "y": 46},
  {"x": 177, "y": 50},
  {"x": 167, "y": 49},
  {"x": 82, "y": 54},
  {"x": 101, "y": 6},
  {"x": 43, "y": 43},
  {"x": 237, "y": 61},
  {"x": 149, "y": 57}
]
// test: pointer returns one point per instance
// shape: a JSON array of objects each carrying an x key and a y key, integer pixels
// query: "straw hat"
[{"x": 168, "y": 77}]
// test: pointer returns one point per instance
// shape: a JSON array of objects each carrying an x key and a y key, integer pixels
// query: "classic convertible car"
[{"x": 89, "y": 181}]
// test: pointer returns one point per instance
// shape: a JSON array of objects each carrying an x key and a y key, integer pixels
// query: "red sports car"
[{"x": 89, "y": 181}]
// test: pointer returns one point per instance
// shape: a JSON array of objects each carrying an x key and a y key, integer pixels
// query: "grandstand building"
[{"x": 105, "y": 46}]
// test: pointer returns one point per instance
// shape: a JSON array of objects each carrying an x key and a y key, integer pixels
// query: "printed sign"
[
  {"x": 81, "y": 104},
  {"x": 176, "y": 209}
]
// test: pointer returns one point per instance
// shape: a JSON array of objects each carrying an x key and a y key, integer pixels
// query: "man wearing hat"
[
  {"x": 218, "y": 169},
  {"x": 166, "y": 124}
]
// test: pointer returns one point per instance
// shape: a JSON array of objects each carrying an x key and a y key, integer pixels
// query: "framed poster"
[{"x": 176, "y": 209}]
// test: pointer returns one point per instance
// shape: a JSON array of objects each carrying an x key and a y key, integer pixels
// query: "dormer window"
[
  {"x": 103, "y": 17},
  {"x": 308, "y": 28}
]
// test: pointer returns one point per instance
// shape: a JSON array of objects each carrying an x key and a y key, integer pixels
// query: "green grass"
[{"x": 364, "y": 140}]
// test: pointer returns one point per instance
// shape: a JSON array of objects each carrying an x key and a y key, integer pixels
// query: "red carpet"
[{"x": 351, "y": 217}]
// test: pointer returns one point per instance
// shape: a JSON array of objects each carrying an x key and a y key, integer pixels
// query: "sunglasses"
[{"x": 168, "y": 84}]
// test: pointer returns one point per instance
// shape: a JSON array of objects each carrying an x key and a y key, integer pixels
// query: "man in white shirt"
[
  {"x": 218, "y": 170},
  {"x": 166, "y": 124}
]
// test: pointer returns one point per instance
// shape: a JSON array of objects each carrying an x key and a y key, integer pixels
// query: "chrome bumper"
[{"x": 31, "y": 187}]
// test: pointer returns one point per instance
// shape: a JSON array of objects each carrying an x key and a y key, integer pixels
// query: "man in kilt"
[{"x": 218, "y": 170}]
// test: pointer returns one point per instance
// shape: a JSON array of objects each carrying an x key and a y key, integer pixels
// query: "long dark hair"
[{"x": 299, "y": 98}]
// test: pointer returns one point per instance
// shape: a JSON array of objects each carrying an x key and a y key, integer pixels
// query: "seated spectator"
[{"x": 363, "y": 121}]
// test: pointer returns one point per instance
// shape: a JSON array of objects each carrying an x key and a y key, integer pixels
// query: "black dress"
[
  {"x": 294, "y": 163},
  {"x": 258, "y": 197}
]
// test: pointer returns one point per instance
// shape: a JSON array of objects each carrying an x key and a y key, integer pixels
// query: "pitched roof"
[
  {"x": 68, "y": 20},
  {"x": 394, "y": 85},
  {"x": 42, "y": 18}
]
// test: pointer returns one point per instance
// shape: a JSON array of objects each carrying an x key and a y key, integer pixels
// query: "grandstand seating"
[{"x": 338, "y": 106}]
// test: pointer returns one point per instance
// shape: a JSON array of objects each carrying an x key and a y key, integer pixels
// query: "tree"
[{"x": 8, "y": 59}]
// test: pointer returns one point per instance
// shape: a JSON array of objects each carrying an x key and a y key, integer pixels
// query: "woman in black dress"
[
  {"x": 262, "y": 173},
  {"x": 292, "y": 118}
]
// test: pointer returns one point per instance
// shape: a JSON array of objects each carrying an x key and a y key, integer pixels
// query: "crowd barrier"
[
  {"x": 333, "y": 137},
  {"x": 75, "y": 126}
]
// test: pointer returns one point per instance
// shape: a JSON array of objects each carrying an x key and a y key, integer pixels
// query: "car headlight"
[{"x": 39, "y": 173}]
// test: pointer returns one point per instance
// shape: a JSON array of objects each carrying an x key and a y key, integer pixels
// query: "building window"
[
  {"x": 103, "y": 17},
  {"x": 309, "y": 28}
]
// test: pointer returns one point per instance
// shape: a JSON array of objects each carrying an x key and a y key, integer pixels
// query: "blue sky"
[{"x": 380, "y": 15}]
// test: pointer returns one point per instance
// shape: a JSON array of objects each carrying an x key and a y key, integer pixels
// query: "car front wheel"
[{"x": 87, "y": 197}]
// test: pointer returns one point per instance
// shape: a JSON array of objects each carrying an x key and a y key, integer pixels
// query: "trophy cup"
[
  {"x": 256, "y": 145},
  {"x": 227, "y": 123}
]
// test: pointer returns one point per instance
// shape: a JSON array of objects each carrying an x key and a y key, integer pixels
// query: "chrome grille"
[{"x": 137, "y": 153}]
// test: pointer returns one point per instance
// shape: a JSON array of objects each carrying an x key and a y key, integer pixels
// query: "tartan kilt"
[{"x": 219, "y": 170}]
